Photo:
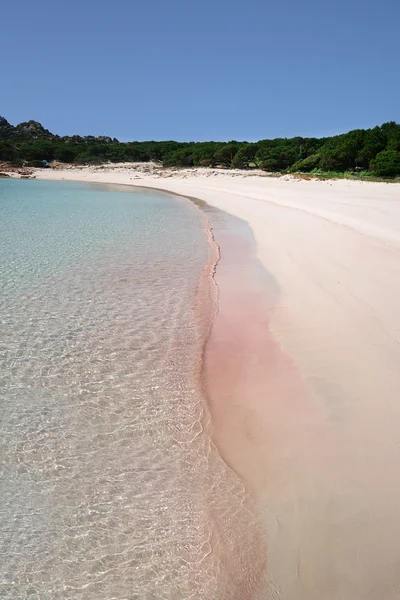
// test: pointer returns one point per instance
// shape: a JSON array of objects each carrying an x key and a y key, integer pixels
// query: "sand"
[{"x": 314, "y": 425}]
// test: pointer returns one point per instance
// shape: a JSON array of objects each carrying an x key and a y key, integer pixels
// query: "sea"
[{"x": 110, "y": 485}]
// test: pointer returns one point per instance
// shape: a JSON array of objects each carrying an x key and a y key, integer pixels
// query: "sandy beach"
[{"x": 314, "y": 424}]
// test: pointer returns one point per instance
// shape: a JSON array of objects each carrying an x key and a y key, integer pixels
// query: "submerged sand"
[{"x": 313, "y": 423}]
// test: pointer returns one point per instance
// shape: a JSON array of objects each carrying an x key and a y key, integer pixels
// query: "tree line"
[{"x": 373, "y": 151}]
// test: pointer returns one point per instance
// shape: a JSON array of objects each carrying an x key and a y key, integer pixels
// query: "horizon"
[{"x": 212, "y": 72}]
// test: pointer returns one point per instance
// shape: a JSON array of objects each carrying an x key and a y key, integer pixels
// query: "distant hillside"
[
  {"x": 28, "y": 131},
  {"x": 32, "y": 131},
  {"x": 364, "y": 151}
]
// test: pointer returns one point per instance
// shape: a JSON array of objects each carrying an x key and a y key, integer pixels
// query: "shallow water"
[
  {"x": 111, "y": 487},
  {"x": 98, "y": 356}
]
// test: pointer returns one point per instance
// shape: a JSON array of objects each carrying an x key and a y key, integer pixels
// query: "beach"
[{"x": 302, "y": 369}]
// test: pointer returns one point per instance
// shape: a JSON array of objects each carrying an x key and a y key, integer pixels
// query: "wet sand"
[{"x": 303, "y": 373}]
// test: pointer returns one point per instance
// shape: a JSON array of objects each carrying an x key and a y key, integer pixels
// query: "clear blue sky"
[{"x": 200, "y": 70}]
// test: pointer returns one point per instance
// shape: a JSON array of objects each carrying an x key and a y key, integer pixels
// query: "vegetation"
[{"x": 365, "y": 152}]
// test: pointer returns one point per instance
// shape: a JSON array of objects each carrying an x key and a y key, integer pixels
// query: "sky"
[{"x": 200, "y": 70}]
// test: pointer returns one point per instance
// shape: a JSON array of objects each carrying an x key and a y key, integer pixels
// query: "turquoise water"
[{"x": 103, "y": 465}]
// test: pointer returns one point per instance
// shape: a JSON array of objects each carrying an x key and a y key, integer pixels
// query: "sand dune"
[{"x": 326, "y": 426}]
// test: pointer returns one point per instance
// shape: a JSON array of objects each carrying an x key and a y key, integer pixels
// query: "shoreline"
[
  {"x": 325, "y": 435},
  {"x": 238, "y": 537}
]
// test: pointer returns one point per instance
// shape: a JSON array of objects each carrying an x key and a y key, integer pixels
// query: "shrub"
[
  {"x": 65, "y": 154},
  {"x": 180, "y": 158},
  {"x": 244, "y": 156},
  {"x": 270, "y": 164},
  {"x": 307, "y": 164},
  {"x": 85, "y": 158},
  {"x": 386, "y": 164},
  {"x": 225, "y": 155}
]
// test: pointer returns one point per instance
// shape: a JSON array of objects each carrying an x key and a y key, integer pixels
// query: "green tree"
[
  {"x": 179, "y": 158},
  {"x": 244, "y": 156},
  {"x": 307, "y": 164},
  {"x": 225, "y": 155},
  {"x": 65, "y": 153},
  {"x": 41, "y": 150},
  {"x": 387, "y": 164},
  {"x": 330, "y": 161},
  {"x": 87, "y": 158},
  {"x": 279, "y": 154},
  {"x": 8, "y": 152},
  {"x": 134, "y": 153}
]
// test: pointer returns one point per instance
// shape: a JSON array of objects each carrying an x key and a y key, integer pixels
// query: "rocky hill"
[
  {"x": 27, "y": 131},
  {"x": 32, "y": 131}
]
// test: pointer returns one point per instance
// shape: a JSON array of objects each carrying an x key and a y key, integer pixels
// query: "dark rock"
[
  {"x": 32, "y": 129},
  {"x": 6, "y": 130},
  {"x": 4, "y": 122}
]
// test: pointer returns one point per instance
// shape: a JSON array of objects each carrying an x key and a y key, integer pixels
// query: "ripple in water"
[{"x": 110, "y": 489}]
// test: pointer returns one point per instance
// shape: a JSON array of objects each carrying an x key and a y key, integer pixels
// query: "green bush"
[
  {"x": 270, "y": 165},
  {"x": 386, "y": 164},
  {"x": 307, "y": 165},
  {"x": 66, "y": 154},
  {"x": 180, "y": 158},
  {"x": 224, "y": 156},
  {"x": 42, "y": 150},
  {"x": 330, "y": 161},
  {"x": 8, "y": 152},
  {"x": 244, "y": 156},
  {"x": 86, "y": 158}
]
